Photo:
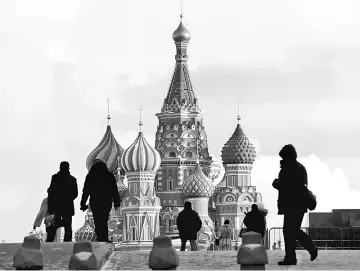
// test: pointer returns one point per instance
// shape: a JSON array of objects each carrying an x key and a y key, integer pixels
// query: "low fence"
[{"x": 323, "y": 237}]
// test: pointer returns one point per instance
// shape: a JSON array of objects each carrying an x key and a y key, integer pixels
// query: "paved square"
[{"x": 226, "y": 260}]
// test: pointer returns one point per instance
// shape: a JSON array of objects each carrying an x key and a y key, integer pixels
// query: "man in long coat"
[
  {"x": 188, "y": 223},
  {"x": 62, "y": 192}
]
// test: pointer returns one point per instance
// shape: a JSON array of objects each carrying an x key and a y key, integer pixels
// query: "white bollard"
[
  {"x": 30, "y": 255},
  {"x": 252, "y": 254},
  {"x": 163, "y": 256},
  {"x": 83, "y": 257}
]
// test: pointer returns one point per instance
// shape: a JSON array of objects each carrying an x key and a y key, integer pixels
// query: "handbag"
[{"x": 310, "y": 199}]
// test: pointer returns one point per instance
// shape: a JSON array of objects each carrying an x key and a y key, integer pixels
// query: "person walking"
[
  {"x": 100, "y": 186},
  {"x": 226, "y": 233},
  {"x": 49, "y": 220},
  {"x": 188, "y": 223},
  {"x": 255, "y": 221},
  {"x": 291, "y": 184},
  {"x": 62, "y": 192}
]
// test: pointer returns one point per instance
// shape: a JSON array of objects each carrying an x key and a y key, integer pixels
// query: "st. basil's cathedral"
[{"x": 179, "y": 168}]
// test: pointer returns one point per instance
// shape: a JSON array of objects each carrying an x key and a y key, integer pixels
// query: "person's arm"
[
  {"x": 75, "y": 189},
  {"x": 199, "y": 222},
  {"x": 178, "y": 222},
  {"x": 279, "y": 183},
  {"x": 51, "y": 193},
  {"x": 41, "y": 214},
  {"x": 115, "y": 192},
  {"x": 86, "y": 193},
  {"x": 246, "y": 220}
]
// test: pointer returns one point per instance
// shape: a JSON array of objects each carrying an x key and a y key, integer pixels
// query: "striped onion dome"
[
  {"x": 86, "y": 232},
  {"x": 123, "y": 190},
  {"x": 108, "y": 150},
  {"x": 140, "y": 156},
  {"x": 197, "y": 185}
]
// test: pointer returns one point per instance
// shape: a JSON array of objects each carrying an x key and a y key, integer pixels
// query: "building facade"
[{"x": 180, "y": 167}]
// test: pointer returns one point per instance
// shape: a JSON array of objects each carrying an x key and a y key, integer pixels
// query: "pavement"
[
  {"x": 226, "y": 260},
  {"x": 56, "y": 255}
]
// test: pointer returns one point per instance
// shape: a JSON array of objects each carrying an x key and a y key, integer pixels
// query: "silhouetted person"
[
  {"x": 255, "y": 221},
  {"x": 49, "y": 220},
  {"x": 62, "y": 192},
  {"x": 188, "y": 223},
  {"x": 100, "y": 186},
  {"x": 292, "y": 204},
  {"x": 226, "y": 233}
]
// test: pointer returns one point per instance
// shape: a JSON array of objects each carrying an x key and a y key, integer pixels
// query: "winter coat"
[
  {"x": 188, "y": 223},
  {"x": 226, "y": 233},
  {"x": 255, "y": 221},
  {"x": 100, "y": 186},
  {"x": 62, "y": 192},
  {"x": 291, "y": 182},
  {"x": 42, "y": 213}
]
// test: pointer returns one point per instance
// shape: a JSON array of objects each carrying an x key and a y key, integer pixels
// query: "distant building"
[
  {"x": 339, "y": 228},
  {"x": 180, "y": 167}
]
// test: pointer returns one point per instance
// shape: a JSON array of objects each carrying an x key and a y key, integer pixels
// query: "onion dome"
[
  {"x": 238, "y": 149},
  {"x": 140, "y": 156},
  {"x": 181, "y": 33},
  {"x": 86, "y": 232},
  {"x": 218, "y": 188},
  {"x": 123, "y": 190},
  {"x": 215, "y": 167},
  {"x": 108, "y": 150},
  {"x": 197, "y": 185}
]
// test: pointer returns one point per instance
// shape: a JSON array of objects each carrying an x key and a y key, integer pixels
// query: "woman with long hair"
[{"x": 100, "y": 186}]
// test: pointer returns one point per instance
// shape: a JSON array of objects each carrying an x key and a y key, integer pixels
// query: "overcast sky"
[{"x": 295, "y": 66}]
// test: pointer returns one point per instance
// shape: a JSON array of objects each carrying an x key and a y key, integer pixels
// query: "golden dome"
[{"x": 181, "y": 33}]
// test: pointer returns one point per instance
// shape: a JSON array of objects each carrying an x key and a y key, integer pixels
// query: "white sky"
[{"x": 294, "y": 65}]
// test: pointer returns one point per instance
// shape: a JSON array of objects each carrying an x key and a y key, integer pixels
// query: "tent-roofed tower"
[
  {"x": 180, "y": 124},
  {"x": 235, "y": 194}
]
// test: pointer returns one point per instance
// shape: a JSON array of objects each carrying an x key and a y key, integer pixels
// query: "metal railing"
[{"x": 323, "y": 237}]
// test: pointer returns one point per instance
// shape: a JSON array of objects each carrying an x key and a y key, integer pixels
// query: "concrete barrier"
[
  {"x": 30, "y": 255},
  {"x": 252, "y": 254},
  {"x": 163, "y": 256},
  {"x": 83, "y": 257}
]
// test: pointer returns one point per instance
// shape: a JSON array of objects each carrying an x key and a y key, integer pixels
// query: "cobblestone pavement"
[
  {"x": 56, "y": 255},
  {"x": 225, "y": 260}
]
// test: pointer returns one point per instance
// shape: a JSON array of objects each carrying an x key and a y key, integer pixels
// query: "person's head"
[
  {"x": 64, "y": 166},
  {"x": 98, "y": 166},
  {"x": 187, "y": 205},
  {"x": 288, "y": 153},
  {"x": 226, "y": 222},
  {"x": 254, "y": 208}
]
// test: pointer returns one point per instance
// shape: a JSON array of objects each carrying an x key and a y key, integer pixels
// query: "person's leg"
[
  {"x": 97, "y": 223},
  {"x": 50, "y": 233},
  {"x": 193, "y": 245},
  {"x": 101, "y": 227},
  {"x": 183, "y": 245},
  {"x": 304, "y": 239},
  {"x": 289, "y": 230},
  {"x": 67, "y": 222}
]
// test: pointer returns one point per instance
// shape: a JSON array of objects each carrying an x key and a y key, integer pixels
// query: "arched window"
[
  {"x": 172, "y": 154},
  {"x": 170, "y": 184},
  {"x": 189, "y": 154}
]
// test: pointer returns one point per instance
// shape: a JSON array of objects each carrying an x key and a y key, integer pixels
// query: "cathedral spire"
[
  {"x": 108, "y": 116},
  {"x": 238, "y": 115},
  {"x": 181, "y": 97},
  {"x": 140, "y": 122}
]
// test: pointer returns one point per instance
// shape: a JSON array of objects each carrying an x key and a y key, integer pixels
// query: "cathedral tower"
[
  {"x": 141, "y": 207},
  {"x": 235, "y": 194},
  {"x": 180, "y": 126}
]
